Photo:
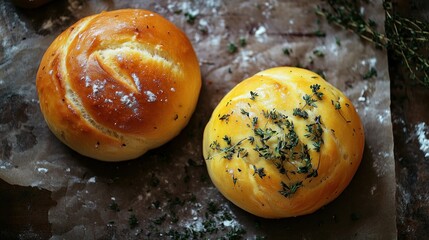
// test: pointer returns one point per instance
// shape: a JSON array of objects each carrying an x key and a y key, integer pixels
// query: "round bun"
[
  {"x": 283, "y": 143},
  {"x": 117, "y": 84}
]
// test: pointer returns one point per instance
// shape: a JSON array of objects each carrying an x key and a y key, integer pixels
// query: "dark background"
[{"x": 24, "y": 210}]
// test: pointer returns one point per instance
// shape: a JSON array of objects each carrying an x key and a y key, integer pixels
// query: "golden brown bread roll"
[
  {"x": 116, "y": 84},
  {"x": 283, "y": 143}
]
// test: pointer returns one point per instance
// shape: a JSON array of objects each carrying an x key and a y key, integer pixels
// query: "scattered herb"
[
  {"x": 243, "y": 42},
  {"x": 259, "y": 171},
  {"x": 300, "y": 113},
  {"x": 190, "y": 17},
  {"x": 315, "y": 132},
  {"x": 132, "y": 221},
  {"x": 371, "y": 73},
  {"x": 287, "y": 51},
  {"x": 337, "y": 107},
  {"x": 406, "y": 38},
  {"x": 244, "y": 112},
  {"x": 225, "y": 117},
  {"x": 318, "y": 53},
  {"x": 227, "y": 140},
  {"x": 253, "y": 95},
  {"x": 232, "y": 48},
  {"x": 309, "y": 101},
  {"x": 288, "y": 191}
]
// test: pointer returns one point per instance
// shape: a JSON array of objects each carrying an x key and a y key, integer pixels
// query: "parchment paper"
[{"x": 166, "y": 194}]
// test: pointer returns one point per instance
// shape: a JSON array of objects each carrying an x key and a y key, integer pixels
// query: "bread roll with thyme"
[
  {"x": 283, "y": 143},
  {"x": 117, "y": 84}
]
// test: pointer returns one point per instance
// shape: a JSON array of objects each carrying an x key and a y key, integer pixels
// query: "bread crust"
[
  {"x": 283, "y": 143},
  {"x": 117, "y": 84}
]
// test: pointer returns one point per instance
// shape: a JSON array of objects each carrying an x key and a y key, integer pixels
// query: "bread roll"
[
  {"x": 283, "y": 143},
  {"x": 116, "y": 84}
]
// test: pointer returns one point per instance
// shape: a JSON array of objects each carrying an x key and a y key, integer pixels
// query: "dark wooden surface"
[{"x": 24, "y": 210}]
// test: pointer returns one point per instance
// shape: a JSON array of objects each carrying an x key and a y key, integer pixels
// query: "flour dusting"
[{"x": 422, "y": 131}]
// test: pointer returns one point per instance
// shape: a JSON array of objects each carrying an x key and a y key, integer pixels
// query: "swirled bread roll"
[
  {"x": 116, "y": 84},
  {"x": 283, "y": 143}
]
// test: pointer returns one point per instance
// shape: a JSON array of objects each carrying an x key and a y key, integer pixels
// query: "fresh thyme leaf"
[
  {"x": 300, "y": 113},
  {"x": 407, "y": 39},
  {"x": 287, "y": 51},
  {"x": 232, "y": 48},
  {"x": 243, "y": 42},
  {"x": 190, "y": 17},
  {"x": 225, "y": 117},
  {"x": 253, "y": 95},
  {"x": 227, "y": 140},
  {"x": 244, "y": 112},
  {"x": 259, "y": 171},
  {"x": 318, "y": 53},
  {"x": 288, "y": 191},
  {"x": 371, "y": 73}
]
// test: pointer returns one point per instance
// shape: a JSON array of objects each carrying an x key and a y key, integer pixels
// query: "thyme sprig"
[
  {"x": 406, "y": 38},
  {"x": 310, "y": 101}
]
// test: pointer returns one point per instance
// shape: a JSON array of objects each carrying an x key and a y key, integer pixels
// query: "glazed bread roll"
[
  {"x": 117, "y": 84},
  {"x": 283, "y": 143}
]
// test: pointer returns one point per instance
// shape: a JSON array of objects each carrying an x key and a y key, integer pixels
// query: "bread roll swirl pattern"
[
  {"x": 119, "y": 83},
  {"x": 283, "y": 143}
]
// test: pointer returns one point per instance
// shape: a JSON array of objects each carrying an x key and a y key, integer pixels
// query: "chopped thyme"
[
  {"x": 287, "y": 51},
  {"x": 315, "y": 132},
  {"x": 336, "y": 104},
  {"x": 253, "y": 95},
  {"x": 225, "y": 117},
  {"x": 215, "y": 145},
  {"x": 315, "y": 89},
  {"x": 337, "y": 107},
  {"x": 300, "y": 113},
  {"x": 190, "y": 17},
  {"x": 259, "y": 171},
  {"x": 318, "y": 53},
  {"x": 254, "y": 121},
  {"x": 309, "y": 101},
  {"x": 243, "y": 42},
  {"x": 232, "y": 48},
  {"x": 288, "y": 191},
  {"x": 227, "y": 140},
  {"x": 371, "y": 73},
  {"x": 244, "y": 112}
]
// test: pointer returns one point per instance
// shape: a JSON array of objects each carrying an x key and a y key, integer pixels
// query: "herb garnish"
[
  {"x": 309, "y": 101},
  {"x": 232, "y": 48},
  {"x": 253, "y": 95},
  {"x": 190, "y": 17},
  {"x": 406, "y": 38},
  {"x": 287, "y": 191},
  {"x": 259, "y": 171},
  {"x": 371, "y": 73},
  {"x": 275, "y": 140},
  {"x": 224, "y": 117}
]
